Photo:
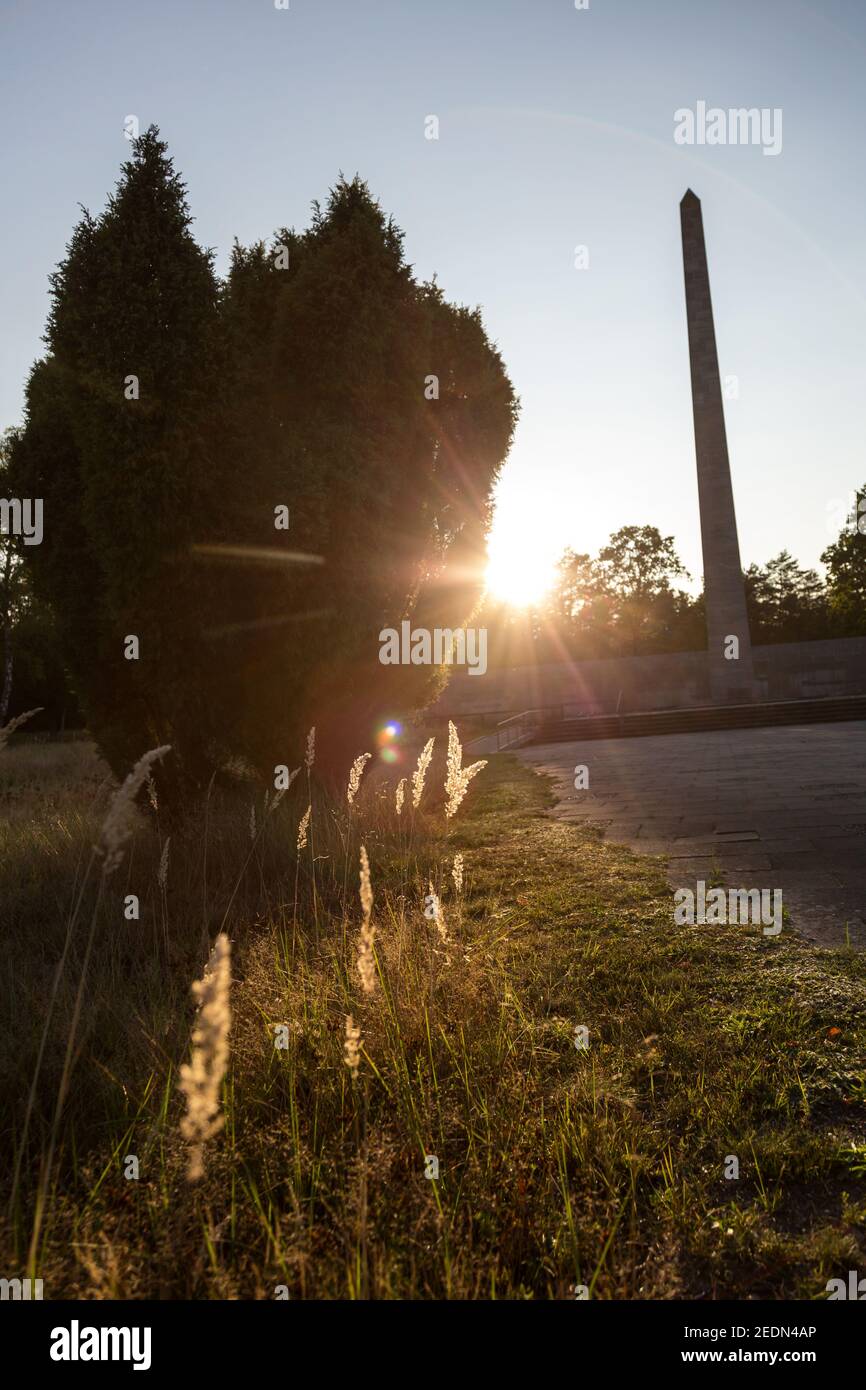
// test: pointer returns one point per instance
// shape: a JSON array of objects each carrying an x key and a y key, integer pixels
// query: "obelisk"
[{"x": 729, "y": 644}]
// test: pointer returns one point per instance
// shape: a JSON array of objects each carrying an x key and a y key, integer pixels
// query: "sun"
[{"x": 518, "y": 574}]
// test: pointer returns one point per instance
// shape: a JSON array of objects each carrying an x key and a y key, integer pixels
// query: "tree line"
[{"x": 629, "y": 601}]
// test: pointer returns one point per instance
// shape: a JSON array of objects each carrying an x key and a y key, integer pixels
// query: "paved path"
[{"x": 768, "y": 808}]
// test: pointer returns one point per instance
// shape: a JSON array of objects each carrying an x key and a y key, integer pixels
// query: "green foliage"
[
  {"x": 634, "y": 573},
  {"x": 387, "y": 488},
  {"x": 846, "y": 567},
  {"x": 624, "y": 601},
  {"x": 299, "y": 385},
  {"x": 786, "y": 602},
  {"x": 638, "y": 564},
  {"x": 126, "y": 482}
]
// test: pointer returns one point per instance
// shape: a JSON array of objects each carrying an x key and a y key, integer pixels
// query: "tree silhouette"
[
  {"x": 171, "y": 419},
  {"x": 846, "y": 571}
]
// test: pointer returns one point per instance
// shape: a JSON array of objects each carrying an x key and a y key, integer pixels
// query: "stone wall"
[{"x": 789, "y": 671}]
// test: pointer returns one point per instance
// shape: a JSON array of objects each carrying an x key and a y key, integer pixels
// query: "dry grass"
[
  {"x": 39, "y": 779},
  {"x": 557, "y": 1166}
]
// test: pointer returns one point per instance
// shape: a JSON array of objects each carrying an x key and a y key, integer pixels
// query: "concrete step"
[{"x": 703, "y": 717}]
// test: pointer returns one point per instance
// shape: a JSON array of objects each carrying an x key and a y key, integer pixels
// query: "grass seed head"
[
  {"x": 352, "y": 1047},
  {"x": 457, "y": 872},
  {"x": 457, "y": 777},
  {"x": 202, "y": 1077},
  {"x": 355, "y": 776},
  {"x": 420, "y": 773},
  {"x": 367, "y": 935},
  {"x": 118, "y": 824}
]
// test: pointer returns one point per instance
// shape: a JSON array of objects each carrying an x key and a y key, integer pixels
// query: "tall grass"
[
  {"x": 558, "y": 1168},
  {"x": 114, "y": 1012}
]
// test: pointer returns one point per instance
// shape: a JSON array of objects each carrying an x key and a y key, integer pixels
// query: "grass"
[{"x": 559, "y": 1166}]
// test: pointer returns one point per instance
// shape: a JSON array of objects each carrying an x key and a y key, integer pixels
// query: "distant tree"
[
  {"x": 638, "y": 563},
  {"x": 846, "y": 572},
  {"x": 574, "y": 588},
  {"x": 634, "y": 572},
  {"x": 623, "y": 601},
  {"x": 785, "y": 601},
  {"x": 578, "y": 610},
  {"x": 171, "y": 420}
]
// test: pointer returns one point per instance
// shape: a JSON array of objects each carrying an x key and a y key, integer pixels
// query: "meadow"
[{"x": 505, "y": 1074}]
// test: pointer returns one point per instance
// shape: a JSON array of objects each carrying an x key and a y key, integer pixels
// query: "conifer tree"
[
  {"x": 321, "y": 383},
  {"x": 118, "y": 443},
  {"x": 382, "y": 414}
]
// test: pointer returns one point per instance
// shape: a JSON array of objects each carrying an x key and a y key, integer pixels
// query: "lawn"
[{"x": 558, "y": 1092}]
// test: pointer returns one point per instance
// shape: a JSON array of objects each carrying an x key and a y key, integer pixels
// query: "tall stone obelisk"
[{"x": 731, "y": 676}]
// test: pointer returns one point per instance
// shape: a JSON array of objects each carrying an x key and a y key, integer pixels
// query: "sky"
[{"x": 556, "y": 130}]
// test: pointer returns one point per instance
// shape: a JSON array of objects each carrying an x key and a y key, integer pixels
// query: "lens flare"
[
  {"x": 385, "y": 741},
  {"x": 389, "y": 732}
]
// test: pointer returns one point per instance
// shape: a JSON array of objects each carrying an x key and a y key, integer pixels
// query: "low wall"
[{"x": 678, "y": 680}]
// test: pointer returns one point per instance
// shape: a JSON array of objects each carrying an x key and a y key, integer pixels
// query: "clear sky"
[{"x": 556, "y": 130}]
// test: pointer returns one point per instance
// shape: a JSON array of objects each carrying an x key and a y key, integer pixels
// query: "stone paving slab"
[
  {"x": 705, "y": 865},
  {"x": 787, "y": 805}
]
